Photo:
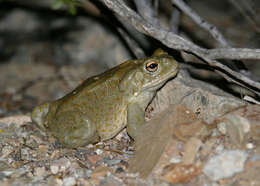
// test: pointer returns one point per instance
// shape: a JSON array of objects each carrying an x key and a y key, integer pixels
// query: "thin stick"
[
  {"x": 175, "y": 20},
  {"x": 247, "y": 10},
  {"x": 176, "y": 42},
  {"x": 132, "y": 44},
  {"x": 146, "y": 10},
  {"x": 201, "y": 22}
]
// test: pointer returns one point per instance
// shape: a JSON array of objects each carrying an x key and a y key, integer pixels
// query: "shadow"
[
  {"x": 215, "y": 79},
  {"x": 58, "y": 35}
]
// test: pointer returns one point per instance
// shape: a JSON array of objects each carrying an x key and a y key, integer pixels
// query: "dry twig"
[
  {"x": 247, "y": 10},
  {"x": 175, "y": 20},
  {"x": 201, "y": 22},
  {"x": 176, "y": 42},
  {"x": 147, "y": 11},
  {"x": 132, "y": 44}
]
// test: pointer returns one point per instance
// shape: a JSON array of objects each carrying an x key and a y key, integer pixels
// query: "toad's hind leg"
[{"x": 74, "y": 129}]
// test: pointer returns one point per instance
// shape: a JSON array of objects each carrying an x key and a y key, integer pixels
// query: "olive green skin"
[{"x": 103, "y": 105}]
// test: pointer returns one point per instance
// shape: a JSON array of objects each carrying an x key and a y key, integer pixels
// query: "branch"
[
  {"x": 132, "y": 44},
  {"x": 147, "y": 28},
  {"x": 176, "y": 42},
  {"x": 248, "y": 11},
  {"x": 147, "y": 11},
  {"x": 216, "y": 34},
  {"x": 156, "y": 8},
  {"x": 233, "y": 53},
  {"x": 175, "y": 20},
  {"x": 201, "y": 22}
]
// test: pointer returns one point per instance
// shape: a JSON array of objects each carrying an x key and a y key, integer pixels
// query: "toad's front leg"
[{"x": 135, "y": 119}]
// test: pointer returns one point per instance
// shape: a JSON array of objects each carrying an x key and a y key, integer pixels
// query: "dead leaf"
[
  {"x": 100, "y": 172},
  {"x": 195, "y": 128},
  {"x": 180, "y": 173},
  {"x": 191, "y": 148},
  {"x": 154, "y": 137}
]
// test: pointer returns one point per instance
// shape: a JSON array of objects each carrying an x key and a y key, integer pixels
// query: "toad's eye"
[{"x": 151, "y": 66}]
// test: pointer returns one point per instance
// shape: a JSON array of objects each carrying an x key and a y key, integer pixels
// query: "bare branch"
[
  {"x": 247, "y": 10},
  {"x": 201, "y": 22},
  {"x": 174, "y": 41},
  {"x": 175, "y": 20},
  {"x": 237, "y": 75},
  {"x": 156, "y": 8},
  {"x": 233, "y": 53},
  {"x": 209, "y": 28},
  {"x": 132, "y": 44},
  {"x": 146, "y": 10}
]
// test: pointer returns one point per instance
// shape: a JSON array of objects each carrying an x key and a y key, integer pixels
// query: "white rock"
[
  {"x": 54, "y": 169},
  {"x": 176, "y": 159},
  {"x": 69, "y": 181},
  {"x": 222, "y": 128},
  {"x": 225, "y": 165},
  {"x": 250, "y": 145},
  {"x": 39, "y": 171},
  {"x": 60, "y": 165},
  {"x": 18, "y": 119},
  {"x": 99, "y": 151},
  {"x": 219, "y": 149}
]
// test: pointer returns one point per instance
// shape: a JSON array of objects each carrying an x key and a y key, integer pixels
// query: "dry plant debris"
[{"x": 174, "y": 41}]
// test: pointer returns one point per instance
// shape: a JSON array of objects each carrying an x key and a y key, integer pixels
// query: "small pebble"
[
  {"x": 112, "y": 162},
  {"x": 99, "y": 151},
  {"x": 222, "y": 128},
  {"x": 176, "y": 159},
  {"x": 250, "y": 146},
  {"x": 69, "y": 181},
  {"x": 54, "y": 169},
  {"x": 219, "y": 149},
  {"x": 39, "y": 171},
  {"x": 119, "y": 170}
]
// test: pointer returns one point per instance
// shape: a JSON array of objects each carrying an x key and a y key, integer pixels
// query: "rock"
[
  {"x": 111, "y": 180},
  {"x": 19, "y": 20},
  {"x": 18, "y": 120},
  {"x": 69, "y": 181},
  {"x": 40, "y": 171},
  {"x": 60, "y": 165},
  {"x": 92, "y": 160},
  {"x": 206, "y": 100},
  {"x": 113, "y": 162},
  {"x": 101, "y": 172},
  {"x": 15, "y": 75},
  {"x": 241, "y": 125},
  {"x": 225, "y": 164},
  {"x": 235, "y": 126},
  {"x": 78, "y": 40}
]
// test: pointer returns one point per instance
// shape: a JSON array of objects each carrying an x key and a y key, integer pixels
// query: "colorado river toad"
[{"x": 104, "y": 104}]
